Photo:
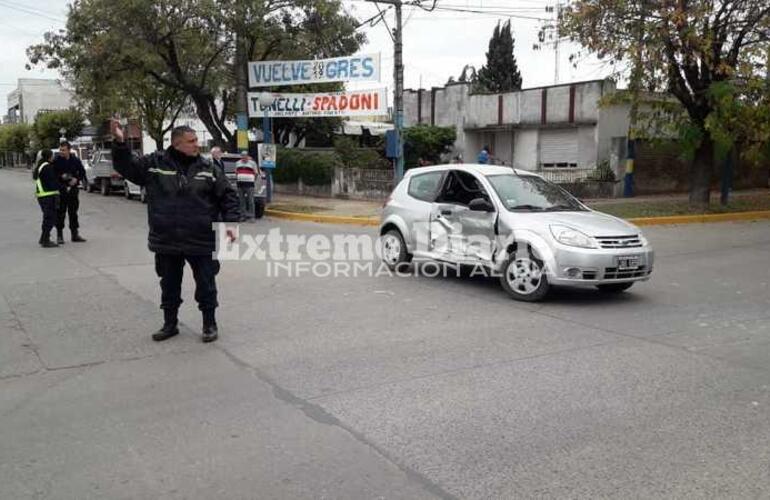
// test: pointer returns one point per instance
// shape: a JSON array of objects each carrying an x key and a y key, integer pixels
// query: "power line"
[{"x": 31, "y": 12}]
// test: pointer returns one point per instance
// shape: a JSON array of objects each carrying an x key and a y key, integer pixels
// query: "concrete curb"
[
  {"x": 702, "y": 218},
  {"x": 639, "y": 221},
  {"x": 323, "y": 219}
]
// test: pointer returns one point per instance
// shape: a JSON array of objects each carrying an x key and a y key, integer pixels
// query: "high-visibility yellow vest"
[{"x": 39, "y": 192}]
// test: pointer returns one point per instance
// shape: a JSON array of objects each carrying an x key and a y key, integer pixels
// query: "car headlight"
[
  {"x": 571, "y": 237},
  {"x": 643, "y": 240}
]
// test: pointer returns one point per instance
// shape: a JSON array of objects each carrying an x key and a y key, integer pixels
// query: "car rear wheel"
[
  {"x": 393, "y": 248},
  {"x": 259, "y": 209},
  {"x": 615, "y": 287},
  {"x": 104, "y": 187},
  {"x": 524, "y": 278}
]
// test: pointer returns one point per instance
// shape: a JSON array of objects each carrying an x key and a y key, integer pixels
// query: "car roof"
[{"x": 474, "y": 168}]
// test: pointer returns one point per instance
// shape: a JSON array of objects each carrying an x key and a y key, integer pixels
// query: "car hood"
[{"x": 590, "y": 222}]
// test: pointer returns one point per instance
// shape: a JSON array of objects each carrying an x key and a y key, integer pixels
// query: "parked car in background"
[
  {"x": 530, "y": 232},
  {"x": 260, "y": 184},
  {"x": 131, "y": 190},
  {"x": 105, "y": 178},
  {"x": 87, "y": 166}
]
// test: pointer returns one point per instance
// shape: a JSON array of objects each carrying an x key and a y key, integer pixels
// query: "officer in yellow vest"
[{"x": 47, "y": 192}]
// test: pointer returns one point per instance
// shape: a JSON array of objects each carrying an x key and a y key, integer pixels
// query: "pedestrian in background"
[
  {"x": 216, "y": 157},
  {"x": 186, "y": 194},
  {"x": 70, "y": 172},
  {"x": 246, "y": 172},
  {"x": 47, "y": 193},
  {"x": 484, "y": 156}
]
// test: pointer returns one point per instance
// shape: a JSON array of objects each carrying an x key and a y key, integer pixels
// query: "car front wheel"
[
  {"x": 524, "y": 278},
  {"x": 105, "y": 187}
]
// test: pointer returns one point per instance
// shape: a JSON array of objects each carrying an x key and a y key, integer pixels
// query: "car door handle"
[{"x": 446, "y": 212}]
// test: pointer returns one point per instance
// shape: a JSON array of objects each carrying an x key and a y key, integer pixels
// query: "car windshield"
[{"x": 531, "y": 193}]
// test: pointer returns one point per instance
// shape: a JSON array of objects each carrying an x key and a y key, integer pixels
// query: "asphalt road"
[{"x": 377, "y": 387}]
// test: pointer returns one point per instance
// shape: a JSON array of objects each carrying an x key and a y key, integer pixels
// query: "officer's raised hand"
[{"x": 117, "y": 130}]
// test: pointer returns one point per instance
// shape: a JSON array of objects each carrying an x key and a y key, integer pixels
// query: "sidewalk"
[{"x": 325, "y": 206}]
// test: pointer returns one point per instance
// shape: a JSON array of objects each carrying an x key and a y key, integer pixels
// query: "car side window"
[
  {"x": 460, "y": 188},
  {"x": 425, "y": 186}
]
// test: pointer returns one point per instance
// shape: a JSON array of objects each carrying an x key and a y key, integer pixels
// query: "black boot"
[
  {"x": 210, "y": 331},
  {"x": 59, "y": 237},
  {"x": 47, "y": 243},
  {"x": 76, "y": 237},
  {"x": 170, "y": 326}
]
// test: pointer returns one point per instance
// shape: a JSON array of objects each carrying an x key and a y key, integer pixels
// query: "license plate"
[{"x": 627, "y": 262}]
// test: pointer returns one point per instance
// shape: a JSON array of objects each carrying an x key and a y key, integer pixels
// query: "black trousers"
[
  {"x": 170, "y": 269},
  {"x": 69, "y": 203},
  {"x": 49, "y": 205}
]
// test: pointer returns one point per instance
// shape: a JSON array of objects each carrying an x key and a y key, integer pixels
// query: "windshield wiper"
[
  {"x": 525, "y": 207},
  {"x": 562, "y": 207}
]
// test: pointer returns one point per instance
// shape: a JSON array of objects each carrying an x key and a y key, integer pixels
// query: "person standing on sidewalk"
[
  {"x": 246, "y": 171},
  {"x": 186, "y": 194},
  {"x": 47, "y": 193},
  {"x": 216, "y": 157},
  {"x": 70, "y": 172}
]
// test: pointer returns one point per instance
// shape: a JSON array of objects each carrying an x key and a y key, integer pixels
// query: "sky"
[{"x": 436, "y": 44}]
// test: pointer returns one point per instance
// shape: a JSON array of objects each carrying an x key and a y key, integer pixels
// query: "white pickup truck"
[{"x": 104, "y": 177}]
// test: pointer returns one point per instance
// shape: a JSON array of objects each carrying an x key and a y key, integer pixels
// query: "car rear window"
[{"x": 425, "y": 186}]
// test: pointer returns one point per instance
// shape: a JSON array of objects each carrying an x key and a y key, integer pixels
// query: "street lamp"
[{"x": 266, "y": 100}]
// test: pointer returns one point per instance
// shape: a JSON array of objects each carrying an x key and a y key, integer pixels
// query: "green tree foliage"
[
  {"x": 15, "y": 138},
  {"x": 48, "y": 125},
  {"x": 711, "y": 55},
  {"x": 196, "y": 47},
  {"x": 315, "y": 168},
  {"x": 427, "y": 142},
  {"x": 500, "y": 73}
]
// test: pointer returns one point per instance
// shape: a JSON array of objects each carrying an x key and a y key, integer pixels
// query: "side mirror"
[{"x": 480, "y": 205}]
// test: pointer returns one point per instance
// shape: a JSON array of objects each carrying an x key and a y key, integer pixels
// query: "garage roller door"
[{"x": 559, "y": 148}]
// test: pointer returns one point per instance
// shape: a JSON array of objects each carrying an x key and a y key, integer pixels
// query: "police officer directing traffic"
[
  {"x": 186, "y": 194},
  {"x": 69, "y": 170}
]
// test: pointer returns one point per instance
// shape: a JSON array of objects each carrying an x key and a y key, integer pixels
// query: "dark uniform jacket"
[
  {"x": 72, "y": 166},
  {"x": 185, "y": 195},
  {"x": 48, "y": 177}
]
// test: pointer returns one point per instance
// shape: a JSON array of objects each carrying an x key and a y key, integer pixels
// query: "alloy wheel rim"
[
  {"x": 524, "y": 276},
  {"x": 391, "y": 249}
]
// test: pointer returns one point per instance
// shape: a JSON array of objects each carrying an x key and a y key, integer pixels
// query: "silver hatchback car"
[{"x": 529, "y": 232}]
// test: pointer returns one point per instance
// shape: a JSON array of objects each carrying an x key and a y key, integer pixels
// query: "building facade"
[
  {"x": 559, "y": 130},
  {"x": 33, "y": 95}
]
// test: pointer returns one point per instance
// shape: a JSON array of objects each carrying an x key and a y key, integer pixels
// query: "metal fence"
[{"x": 565, "y": 175}]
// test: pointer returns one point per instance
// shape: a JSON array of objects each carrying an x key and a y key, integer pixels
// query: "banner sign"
[
  {"x": 267, "y": 155},
  {"x": 359, "y": 68},
  {"x": 347, "y": 103}
]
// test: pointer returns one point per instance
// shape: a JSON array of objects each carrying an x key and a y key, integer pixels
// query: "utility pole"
[
  {"x": 241, "y": 95},
  {"x": 398, "y": 77}
]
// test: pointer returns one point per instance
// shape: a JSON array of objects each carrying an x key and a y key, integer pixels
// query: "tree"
[
  {"x": 197, "y": 47},
  {"x": 500, "y": 73},
  {"x": 711, "y": 55},
  {"x": 15, "y": 138},
  {"x": 48, "y": 125},
  {"x": 427, "y": 142},
  {"x": 158, "y": 107}
]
